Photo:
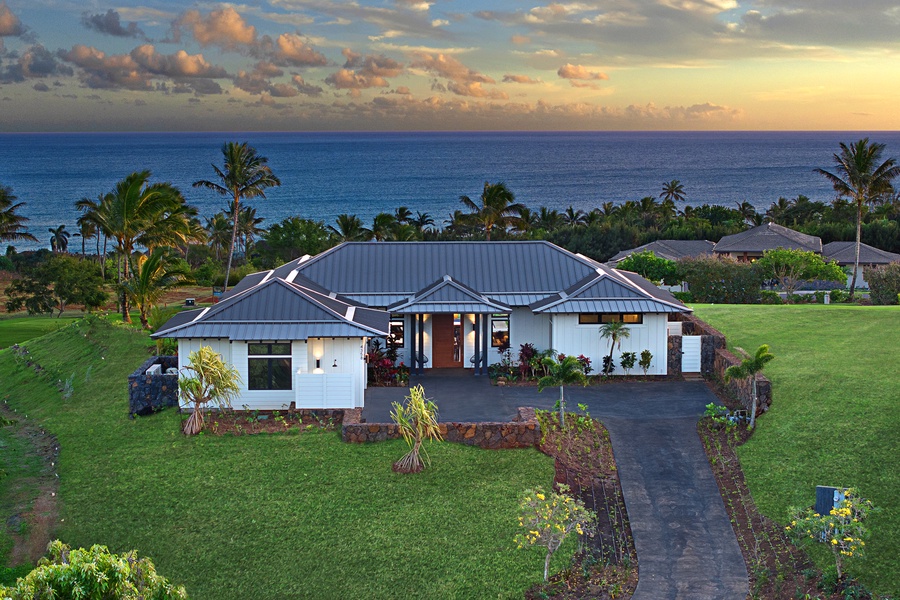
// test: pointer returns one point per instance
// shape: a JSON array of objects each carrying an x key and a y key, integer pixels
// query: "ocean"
[{"x": 325, "y": 174}]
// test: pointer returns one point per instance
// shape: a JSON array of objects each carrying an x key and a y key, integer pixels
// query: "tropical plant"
[
  {"x": 292, "y": 238},
  {"x": 673, "y": 191},
  {"x": 496, "y": 208},
  {"x": 350, "y": 229},
  {"x": 547, "y": 519},
  {"x": 417, "y": 422},
  {"x": 218, "y": 233},
  {"x": 248, "y": 227},
  {"x": 627, "y": 361},
  {"x": 59, "y": 239},
  {"x": 92, "y": 573},
  {"x": 566, "y": 371},
  {"x": 748, "y": 369},
  {"x": 860, "y": 175},
  {"x": 206, "y": 380},
  {"x": 648, "y": 265},
  {"x": 12, "y": 225},
  {"x": 615, "y": 332},
  {"x": 55, "y": 284},
  {"x": 93, "y": 215},
  {"x": 152, "y": 275},
  {"x": 791, "y": 268},
  {"x": 884, "y": 283},
  {"x": 246, "y": 175},
  {"x": 383, "y": 225}
]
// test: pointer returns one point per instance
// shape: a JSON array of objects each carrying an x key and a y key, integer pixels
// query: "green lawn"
[
  {"x": 269, "y": 516},
  {"x": 835, "y": 418},
  {"x": 17, "y": 329}
]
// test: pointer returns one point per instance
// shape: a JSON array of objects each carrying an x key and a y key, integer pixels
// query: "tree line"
[{"x": 144, "y": 225}]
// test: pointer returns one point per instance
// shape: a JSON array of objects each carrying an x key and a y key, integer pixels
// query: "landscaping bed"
[
  {"x": 606, "y": 565},
  {"x": 248, "y": 422}
]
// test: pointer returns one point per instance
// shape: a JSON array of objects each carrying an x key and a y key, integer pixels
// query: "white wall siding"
[
  {"x": 262, "y": 399},
  {"x": 571, "y": 338},
  {"x": 186, "y": 346},
  {"x": 528, "y": 327},
  {"x": 349, "y": 356}
]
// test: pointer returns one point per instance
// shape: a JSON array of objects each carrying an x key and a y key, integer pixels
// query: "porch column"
[
  {"x": 485, "y": 341},
  {"x": 413, "y": 366},
  {"x": 477, "y": 328},
  {"x": 421, "y": 318}
]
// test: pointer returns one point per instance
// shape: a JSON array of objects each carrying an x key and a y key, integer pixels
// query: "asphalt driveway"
[{"x": 685, "y": 545}]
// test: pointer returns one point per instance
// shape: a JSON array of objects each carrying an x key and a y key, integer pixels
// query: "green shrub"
[
  {"x": 721, "y": 280},
  {"x": 884, "y": 283},
  {"x": 839, "y": 296},
  {"x": 770, "y": 297},
  {"x": 820, "y": 297},
  {"x": 685, "y": 297}
]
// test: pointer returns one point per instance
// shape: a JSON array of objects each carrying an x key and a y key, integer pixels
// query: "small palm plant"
[
  {"x": 417, "y": 421},
  {"x": 567, "y": 371},
  {"x": 206, "y": 379},
  {"x": 615, "y": 332},
  {"x": 749, "y": 367}
]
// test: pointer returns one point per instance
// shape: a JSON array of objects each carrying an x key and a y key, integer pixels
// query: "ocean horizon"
[{"x": 324, "y": 174}]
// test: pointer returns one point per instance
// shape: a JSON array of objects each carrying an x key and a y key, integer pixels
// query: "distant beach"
[{"x": 325, "y": 174}]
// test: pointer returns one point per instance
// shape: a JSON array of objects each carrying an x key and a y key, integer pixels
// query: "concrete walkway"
[{"x": 685, "y": 545}]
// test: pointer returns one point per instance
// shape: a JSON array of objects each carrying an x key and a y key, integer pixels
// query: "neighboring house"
[
  {"x": 293, "y": 331},
  {"x": 749, "y": 245},
  {"x": 844, "y": 253},
  {"x": 668, "y": 249}
]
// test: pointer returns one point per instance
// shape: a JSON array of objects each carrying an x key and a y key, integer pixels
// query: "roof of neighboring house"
[
  {"x": 275, "y": 309},
  {"x": 668, "y": 249},
  {"x": 768, "y": 237},
  {"x": 845, "y": 254},
  {"x": 446, "y": 295}
]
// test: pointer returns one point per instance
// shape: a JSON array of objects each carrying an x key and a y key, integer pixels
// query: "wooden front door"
[{"x": 446, "y": 340}]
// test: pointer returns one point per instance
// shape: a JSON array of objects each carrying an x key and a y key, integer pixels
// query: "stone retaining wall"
[
  {"x": 711, "y": 340},
  {"x": 740, "y": 388},
  {"x": 150, "y": 393},
  {"x": 523, "y": 432},
  {"x": 673, "y": 363}
]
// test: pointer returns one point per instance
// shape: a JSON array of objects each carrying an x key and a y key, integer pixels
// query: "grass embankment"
[
  {"x": 17, "y": 329},
  {"x": 268, "y": 516},
  {"x": 834, "y": 419}
]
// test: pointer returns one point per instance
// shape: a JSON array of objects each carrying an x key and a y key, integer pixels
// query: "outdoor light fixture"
[
  {"x": 318, "y": 363},
  {"x": 335, "y": 364}
]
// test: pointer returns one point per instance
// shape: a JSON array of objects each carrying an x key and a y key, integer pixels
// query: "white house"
[{"x": 298, "y": 333}]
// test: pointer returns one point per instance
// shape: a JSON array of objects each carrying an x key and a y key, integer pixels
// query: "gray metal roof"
[
  {"x": 668, "y": 249},
  {"x": 496, "y": 269},
  {"x": 273, "y": 331},
  {"x": 277, "y": 302},
  {"x": 768, "y": 237},
  {"x": 446, "y": 295},
  {"x": 845, "y": 254}
]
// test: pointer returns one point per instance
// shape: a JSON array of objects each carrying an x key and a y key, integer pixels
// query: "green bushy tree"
[
  {"x": 791, "y": 268},
  {"x": 884, "y": 283},
  {"x": 648, "y": 265}
]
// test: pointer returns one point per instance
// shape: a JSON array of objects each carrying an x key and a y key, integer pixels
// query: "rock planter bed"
[
  {"x": 585, "y": 462},
  {"x": 778, "y": 569},
  {"x": 244, "y": 422}
]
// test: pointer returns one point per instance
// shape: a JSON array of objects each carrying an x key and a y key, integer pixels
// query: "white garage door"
[{"x": 690, "y": 354}]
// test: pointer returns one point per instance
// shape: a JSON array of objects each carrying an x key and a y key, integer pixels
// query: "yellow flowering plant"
[
  {"x": 842, "y": 529},
  {"x": 547, "y": 518}
]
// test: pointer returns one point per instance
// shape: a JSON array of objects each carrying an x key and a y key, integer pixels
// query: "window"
[
  {"x": 598, "y": 318},
  {"x": 269, "y": 367},
  {"x": 500, "y": 332},
  {"x": 397, "y": 330}
]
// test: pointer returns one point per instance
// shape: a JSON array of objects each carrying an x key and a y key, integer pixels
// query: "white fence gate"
[
  {"x": 325, "y": 391},
  {"x": 690, "y": 353}
]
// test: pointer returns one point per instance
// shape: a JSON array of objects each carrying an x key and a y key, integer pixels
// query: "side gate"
[{"x": 690, "y": 353}]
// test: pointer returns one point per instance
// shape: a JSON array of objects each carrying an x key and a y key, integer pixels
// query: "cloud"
[
  {"x": 41, "y": 87},
  {"x": 345, "y": 79},
  {"x": 178, "y": 64},
  {"x": 307, "y": 89},
  {"x": 450, "y": 68},
  {"x": 371, "y": 65},
  {"x": 519, "y": 40},
  {"x": 474, "y": 89},
  {"x": 509, "y": 78},
  {"x": 111, "y": 24},
  {"x": 35, "y": 61},
  {"x": 290, "y": 50},
  {"x": 224, "y": 28},
  {"x": 10, "y": 25},
  {"x": 570, "y": 71}
]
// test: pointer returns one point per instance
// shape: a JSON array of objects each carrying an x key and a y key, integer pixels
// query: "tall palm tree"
[
  {"x": 573, "y": 217},
  {"x": 248, "y": 227},
  {"x": 748, "y": 212},
  {"x": 350, "y": 229},
  {"x": 567, "y": 371},
  {"x": 497, "y": 207},
  {"x": 422, "y": 221},
  {"x": 615, "y": 332},
  {"x": 218, "y": 233},
  {"x": 12, "y": 226},
  {"x": 548, "y": 219},
  {"x": 402, "y": 215},
  {"x": 246, "y": 175},
  {"x": 860, "y": 175},
  {"x": 59, "y": 239},
  {"x": 151, "y": 275},
  {"x": 92, "y": 212},
  {"x": 749, "y": 367},
  {"x": 382, "y": 225},
  {"x": 86, "y": 230},
  {"x": 673, "y": 190}
]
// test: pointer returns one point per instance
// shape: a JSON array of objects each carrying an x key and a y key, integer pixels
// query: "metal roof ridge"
[{"x": 306, "y": 292}]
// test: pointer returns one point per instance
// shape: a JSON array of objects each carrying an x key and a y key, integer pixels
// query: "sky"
[{"x": 382, "y": 65}]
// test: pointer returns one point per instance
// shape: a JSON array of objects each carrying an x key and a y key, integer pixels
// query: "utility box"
[
  {"x": 190, "y": 301},
  {"x": 827, "y": 498}
]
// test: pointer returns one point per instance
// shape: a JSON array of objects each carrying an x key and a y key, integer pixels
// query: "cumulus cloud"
[
  {"x": 290, "y": 50},
  {"x": 110, "y": 23},
  {"x": 519, "y": 40},
  {"x": 345, "y": 79},
  {"x": 307, "y": 89},
  {"x": 179, "y": 64},
  {"x": 450, "y": 68},
  {"x": 510, "y": 78},
  {"x": 34, "y": 61},
  {"x": 40, "y": 87},
  {"x": 363, "y": 72},
  {"x": 10, "y": 25},
  {"x": 570, "y": 71},
  {"x": 225, "y": 28}
]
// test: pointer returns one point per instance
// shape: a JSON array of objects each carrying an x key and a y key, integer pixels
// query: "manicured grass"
[
  {"x": 835, "y": 416},
  {"x": 270, "y": 516},
  {"x": 17, "y": 329}
]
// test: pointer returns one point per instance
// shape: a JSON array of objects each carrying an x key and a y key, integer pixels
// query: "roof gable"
[
  {"x": 448, "y": 295},
  {"x": 768, "y": 237},
  {"x": 845, "y": 254},
  {"x": 668, "y": 249}
]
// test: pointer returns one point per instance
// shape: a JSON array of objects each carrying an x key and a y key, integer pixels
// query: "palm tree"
[
  {"x": 402, "y": 215},
  {"x": 567, "y": 371},
  {"x": 859, "y": 176},
  {"x": 748, "y": 212},
  {"x": 608, "y": 209},
  {"x": 673, "y": 190},
  {"x": 151, "y": 276},
  {"x": 548, "y": 219},
  {"x": 422, "y": 221},
  {"x": 615, "y": 332},
  {"x": 59, "y": 239},
  {"x": 497, "y": 207},
  {"x": 12, "y": 226},
  {"x": 350, "y": 229},
  {"x": 382, "y": 225},
  {"x": 777, "y": 210},
  {"x": 248, "y": 227},
  {"x": 573, "y": 217},
  {"x": 404, "y": 232},
  {"x": 87, "y": 230},
  {"x": 749, "y": 367},
  {"x": 207, "y": 379},
  {"x": 218, "y": 233},
  {"x": 246, "y": 175},
  {"x": 92, "y": 212}
]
